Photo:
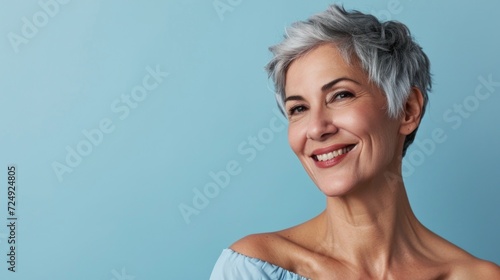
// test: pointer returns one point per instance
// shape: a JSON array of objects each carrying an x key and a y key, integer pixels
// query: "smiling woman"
[
  {"x": 339, "y": 129},
  {"x": 354, "y": 91}
]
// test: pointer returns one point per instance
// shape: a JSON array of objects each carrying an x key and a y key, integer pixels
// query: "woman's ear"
[{"x": 412, "y": 114}]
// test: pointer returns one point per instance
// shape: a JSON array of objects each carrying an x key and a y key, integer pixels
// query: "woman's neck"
[{"x": 372, "y": 229}]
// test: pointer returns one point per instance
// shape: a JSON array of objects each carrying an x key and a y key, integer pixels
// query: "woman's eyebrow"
[
  {"x": 294, "y": 97},
  {"x": 329, "y": 85},
  {"x": 324, "y": 88}
]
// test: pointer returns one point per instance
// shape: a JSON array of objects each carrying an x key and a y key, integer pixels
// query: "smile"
[{"x": 333, "y": 154}]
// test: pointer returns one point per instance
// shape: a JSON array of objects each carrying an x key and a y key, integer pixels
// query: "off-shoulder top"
[{"x": 232, "y": 265}]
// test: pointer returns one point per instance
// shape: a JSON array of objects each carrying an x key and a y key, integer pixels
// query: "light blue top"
[{"x": 232, "y": 265}]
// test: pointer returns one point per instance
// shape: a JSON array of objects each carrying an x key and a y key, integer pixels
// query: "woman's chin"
[{"x": 336, "y": 189}]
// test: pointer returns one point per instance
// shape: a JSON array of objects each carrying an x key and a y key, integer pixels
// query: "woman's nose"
[{"x": 321, "y": 125}]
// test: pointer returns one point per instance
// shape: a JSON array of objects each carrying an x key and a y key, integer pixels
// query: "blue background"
[{"x": 116, "y": 214}]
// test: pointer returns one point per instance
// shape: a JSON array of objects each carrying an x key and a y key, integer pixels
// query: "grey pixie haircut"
[{"x": 386, "y": 50}]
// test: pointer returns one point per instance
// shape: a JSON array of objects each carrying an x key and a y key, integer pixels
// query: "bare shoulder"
[
  {"x": 265, "y": 245},
  {"x": 473, "y": 268},
  {"x": 288, "y": 248},
  {"x": 255, "y": 245},
  {"x": 270, "y": 247},
  {"x": 460, "y": 264}
]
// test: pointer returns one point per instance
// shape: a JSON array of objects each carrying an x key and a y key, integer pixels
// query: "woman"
[{"x": 354, "y": 91}]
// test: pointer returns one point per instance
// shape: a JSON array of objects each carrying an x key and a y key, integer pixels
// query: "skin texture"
[{"x": 368, "y": 230}]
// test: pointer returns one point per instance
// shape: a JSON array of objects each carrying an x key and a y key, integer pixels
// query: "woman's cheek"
[{"x": 296, "y": 137}]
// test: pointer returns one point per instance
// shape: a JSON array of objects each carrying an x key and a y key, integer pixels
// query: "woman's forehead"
[{"x": 318, "y": 67}]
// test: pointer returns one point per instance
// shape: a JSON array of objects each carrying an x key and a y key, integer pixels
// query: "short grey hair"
[{"x": 386, "y": 50}]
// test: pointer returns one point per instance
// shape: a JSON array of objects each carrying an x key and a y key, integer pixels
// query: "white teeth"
[{"x": 334, "y": 154}]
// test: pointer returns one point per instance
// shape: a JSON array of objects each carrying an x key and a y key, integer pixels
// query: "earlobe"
[{"x": 412, "y": 113}]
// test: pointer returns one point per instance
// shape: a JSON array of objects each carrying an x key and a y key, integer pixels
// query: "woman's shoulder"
[
  {"x": 278, "y": 253},
  {"x": 287, "y": 247},
  {"x": 254, "y": 257},
  {"x": 290, "y": 250},
  {"x": 268, "y": 246},
  {"x": 474, "y": 268},
  {"x": 233, "y": 265},
  {"x": 461, "y": 264}
]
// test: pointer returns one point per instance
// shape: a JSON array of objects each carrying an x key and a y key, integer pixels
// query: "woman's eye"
[
  {"x": 342, "y": 95},
  {"x": 296, "y": 110}
]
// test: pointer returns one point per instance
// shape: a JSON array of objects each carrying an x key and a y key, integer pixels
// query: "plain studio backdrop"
[{"x": 146, "y": 138}]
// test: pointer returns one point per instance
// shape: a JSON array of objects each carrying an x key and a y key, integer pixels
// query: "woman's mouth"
[{"x": 331, "y": 157}]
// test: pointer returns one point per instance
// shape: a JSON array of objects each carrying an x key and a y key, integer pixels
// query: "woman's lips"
[{"x": 330, "y": 156}]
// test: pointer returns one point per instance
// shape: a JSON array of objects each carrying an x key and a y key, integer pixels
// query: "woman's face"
[{"x": 338, "y": 125}]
